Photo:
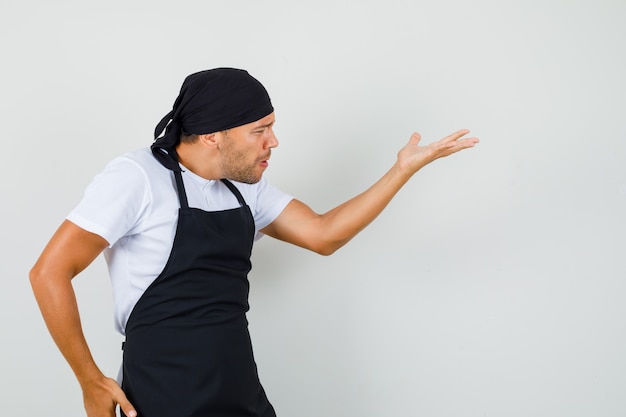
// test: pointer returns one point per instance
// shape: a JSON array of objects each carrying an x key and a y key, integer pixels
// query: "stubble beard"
[{"x": 234, "y": 169}]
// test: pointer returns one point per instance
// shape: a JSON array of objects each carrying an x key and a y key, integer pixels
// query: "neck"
[{"x": 199, "y": 160}]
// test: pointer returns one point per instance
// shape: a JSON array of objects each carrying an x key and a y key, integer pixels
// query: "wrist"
[
  {"x": 403, "y": 170},
  {"x": 92, "y": 378}
]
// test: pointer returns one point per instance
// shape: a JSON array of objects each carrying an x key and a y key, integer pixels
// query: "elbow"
[
  {"x": 35, "y": 277},
  {"x": 44, "y": 283},
  {"x": 327, "y": 248},
  {"x": 40, "y": 279},
  {"x": 325, "y": 251}
]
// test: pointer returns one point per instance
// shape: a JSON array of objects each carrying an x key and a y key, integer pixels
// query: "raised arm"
[
  {"x": 325, "y": 233},
  {"x": 71, "y": 250}
]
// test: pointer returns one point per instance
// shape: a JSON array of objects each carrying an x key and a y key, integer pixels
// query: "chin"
[
  {"x": 247, "y": 179},
  {"x": 246, "y": 176}
]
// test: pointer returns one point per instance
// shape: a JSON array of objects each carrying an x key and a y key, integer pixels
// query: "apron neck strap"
[
  {"x": 182, "y": 195},
  {"x": 235, "y": 191}
]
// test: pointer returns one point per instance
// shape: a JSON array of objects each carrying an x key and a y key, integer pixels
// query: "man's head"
[
  {"x": 244, "y": 151},
  {"x": 211, "y": 101},
  {"x": 240, "y": 153}
]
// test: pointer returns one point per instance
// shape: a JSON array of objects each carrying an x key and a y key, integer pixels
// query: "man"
[{"x": 176, "y": 223}]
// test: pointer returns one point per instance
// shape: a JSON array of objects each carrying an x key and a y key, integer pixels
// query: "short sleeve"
[
  {"x": 114, "y": 202},
  {"x": 270, "y": 203}
]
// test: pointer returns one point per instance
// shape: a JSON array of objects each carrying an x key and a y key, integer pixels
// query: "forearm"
[
  {"x": 58, "y": 306},
  {"x": 69, "y": 251},
  {"x": 345, "y": 221},
  {"x": 325, "y": 233}
]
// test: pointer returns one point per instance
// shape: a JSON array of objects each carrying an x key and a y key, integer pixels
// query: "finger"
[
  {"x": 459, "y": 145},
  {"x": 468, "y": 142},
  {"x": 455, "y": 136},
  {"x": 126, "y": 406},
  {"x": 129, "y": 412}
]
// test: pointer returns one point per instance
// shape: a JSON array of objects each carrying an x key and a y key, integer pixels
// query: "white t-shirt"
[{"x": 133, "y": 204}]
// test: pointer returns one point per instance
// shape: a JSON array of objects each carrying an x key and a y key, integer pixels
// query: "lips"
[{"x": 265, "y": 158}]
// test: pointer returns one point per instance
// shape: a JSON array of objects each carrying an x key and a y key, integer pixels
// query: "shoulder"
[
  {"x": 121, "y": 196},
  {"x": 134, "y": 169},
  {"x": 140, "y": 161}
]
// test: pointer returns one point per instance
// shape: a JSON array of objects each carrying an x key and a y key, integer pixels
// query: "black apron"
[{"x": 187, "y": 351}]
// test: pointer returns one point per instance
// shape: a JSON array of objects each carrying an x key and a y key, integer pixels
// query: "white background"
[{"x": 494, "y": 283}]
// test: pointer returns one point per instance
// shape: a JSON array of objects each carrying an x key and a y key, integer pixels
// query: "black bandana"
[{"x": 210, "y": 101}]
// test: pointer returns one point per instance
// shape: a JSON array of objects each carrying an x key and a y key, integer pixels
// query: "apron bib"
[{"x": 187, "y": 351}]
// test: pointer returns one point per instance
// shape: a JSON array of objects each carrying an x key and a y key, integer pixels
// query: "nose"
[{"x": 272, "y": 141}]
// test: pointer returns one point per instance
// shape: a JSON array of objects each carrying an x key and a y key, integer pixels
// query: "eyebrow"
[{"x": 264, "y": 126}]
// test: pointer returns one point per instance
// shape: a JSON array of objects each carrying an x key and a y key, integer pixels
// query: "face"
[{"x": 246, "y": 149}]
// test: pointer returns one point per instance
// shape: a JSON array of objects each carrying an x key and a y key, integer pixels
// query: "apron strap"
[
  {"x": 235, "y": 191},
  {"x": 182, "y": 195}
]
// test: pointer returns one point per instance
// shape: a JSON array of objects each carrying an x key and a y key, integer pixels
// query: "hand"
[
  {"x": 413, "y": 157},
  {"x": 102, "y": 397}
]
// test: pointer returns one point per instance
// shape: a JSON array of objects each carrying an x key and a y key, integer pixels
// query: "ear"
[{"x": 209, "y": 139}]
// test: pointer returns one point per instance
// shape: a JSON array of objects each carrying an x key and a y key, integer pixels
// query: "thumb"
[{"x": 415, "y": 138}]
